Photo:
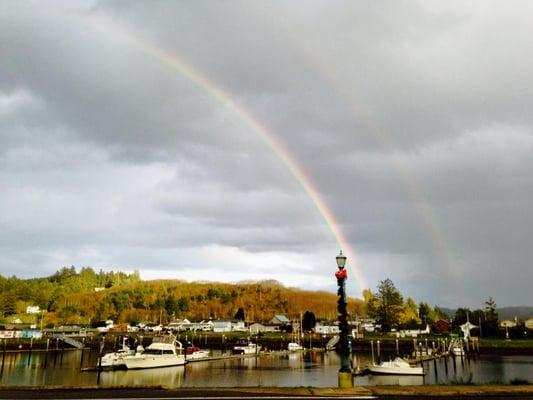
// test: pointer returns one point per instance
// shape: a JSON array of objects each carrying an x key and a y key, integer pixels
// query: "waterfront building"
[{"x": 222, "y": 326}]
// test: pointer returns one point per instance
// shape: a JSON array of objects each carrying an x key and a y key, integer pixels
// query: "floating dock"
[{"x": 210, "y": 358}]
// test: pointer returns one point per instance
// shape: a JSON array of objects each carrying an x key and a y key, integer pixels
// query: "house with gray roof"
[{"x": 280, "y": 320}]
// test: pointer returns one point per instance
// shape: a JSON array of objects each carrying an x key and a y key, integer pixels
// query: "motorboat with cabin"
[
  {"x": 193, "y": 353},
  {"x": 398, "y": 366},
  {"x": 115, "y": 360},
  {"x": 293, "y": 346},
  {"x": 250, "y": 348},
  {"x": 164, "y": 351},
  {"x": 457, "y": 350}
]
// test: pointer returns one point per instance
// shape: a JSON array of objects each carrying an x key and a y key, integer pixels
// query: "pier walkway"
[{"x": 67, "y": 339}]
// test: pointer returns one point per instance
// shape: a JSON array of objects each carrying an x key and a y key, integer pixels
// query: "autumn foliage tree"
[{"x": 69, "y": 296}]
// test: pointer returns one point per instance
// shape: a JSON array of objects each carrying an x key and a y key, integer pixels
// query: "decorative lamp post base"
[{"x": 345, "y": 380}]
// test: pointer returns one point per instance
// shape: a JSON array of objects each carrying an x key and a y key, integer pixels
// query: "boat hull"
[
  {"x": 154, "y": 361},
  {"x": 396, "y": 371},
  {"x": 198, "y": 355},
  {"x": 398, "y": 366},
  {"x": 114, "y": 360},
  {"x": 250, "y": 349},
  {"x": 294, "y": 347}
]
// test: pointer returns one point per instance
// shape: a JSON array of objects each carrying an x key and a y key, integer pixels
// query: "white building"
[
  {"x": 221, "y": 326},
  {"x": 508, "y": 323},
  {"x": 33, "y": 310},
  {"x": 239, "y": 326},
  {"x": 180, "y": 325},
  {"x": 257, "y": 327},
  {"x": 108, "y": 325},
  {"x": 186, "y": 325},
  {"x": 414, "y": 332},
  {"x": 327, "y": 329}
]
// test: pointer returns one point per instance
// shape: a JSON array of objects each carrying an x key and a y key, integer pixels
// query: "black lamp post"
[{"x": 345, "y": 372}]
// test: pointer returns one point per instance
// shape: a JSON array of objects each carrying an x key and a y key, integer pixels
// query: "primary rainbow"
[
  {"x": 246, "y": 116},
  {"x": 333, "y": 79}
]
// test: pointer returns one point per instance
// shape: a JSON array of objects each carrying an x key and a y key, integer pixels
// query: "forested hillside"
[{"x": 69, "y": 296}]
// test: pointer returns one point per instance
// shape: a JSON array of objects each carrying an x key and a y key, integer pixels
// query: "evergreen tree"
[
  {"x": 183, "y": 304},
  {"x": 490, "y": 327},
  {"x": 239, "y": 315},
  {"x": 8, "y": 302},
  {"x": 308, "y": 321},
  {"x": 462, "y": 315},
  {"x": 171, "y": 305},
  {"x": 389, "y": 305}
]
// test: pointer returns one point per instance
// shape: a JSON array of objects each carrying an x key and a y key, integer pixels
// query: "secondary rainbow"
[
  {"x": 325, "y": 69},
  {"x": 247, "y": 117}
]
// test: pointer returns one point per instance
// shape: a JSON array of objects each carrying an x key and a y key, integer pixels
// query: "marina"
[{"x": 279, "y": 368}]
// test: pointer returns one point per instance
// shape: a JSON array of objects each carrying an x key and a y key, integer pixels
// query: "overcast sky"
[{"x": 121, "y": 146}]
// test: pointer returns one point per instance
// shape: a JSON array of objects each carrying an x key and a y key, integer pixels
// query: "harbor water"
[{"x": 317, "y": 369}]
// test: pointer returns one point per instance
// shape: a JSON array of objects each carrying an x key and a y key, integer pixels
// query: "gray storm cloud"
[{"x": 411, "y": 119}]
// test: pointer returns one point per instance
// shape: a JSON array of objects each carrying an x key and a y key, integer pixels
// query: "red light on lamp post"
[{"x": 341, "y": 262}]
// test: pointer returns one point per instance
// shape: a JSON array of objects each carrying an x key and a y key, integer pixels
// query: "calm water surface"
[{"x": 308, "y": 369}]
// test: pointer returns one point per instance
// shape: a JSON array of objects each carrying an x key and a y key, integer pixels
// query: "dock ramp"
[
  {"x": 332, "y": 343},
  {"x": 68, "y": 340}
]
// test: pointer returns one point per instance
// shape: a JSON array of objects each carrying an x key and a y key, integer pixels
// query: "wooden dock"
[{"x": 210, "y": 358}]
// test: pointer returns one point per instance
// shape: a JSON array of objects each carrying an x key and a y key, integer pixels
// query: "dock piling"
[
  {"x": 62, "y": 352},
  {"x": 3, "y": 357},
  {"x": 81, "y": 358},
  {"x": 46, "y": 353},
  {"x": 29, "y": 354},
  {"x": 56, "y": 351}
]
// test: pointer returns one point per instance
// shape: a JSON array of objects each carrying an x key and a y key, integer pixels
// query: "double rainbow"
[{"x": 225, "y": 98}]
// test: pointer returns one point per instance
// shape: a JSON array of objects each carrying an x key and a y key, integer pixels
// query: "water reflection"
[
  {"x": 317, "y": 369},
  {"x": 484, "y": 369},
  {"x": 170, "y": 377},
  {"x": 371, "y": 380}
]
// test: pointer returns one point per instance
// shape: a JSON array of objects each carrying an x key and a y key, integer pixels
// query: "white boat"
[
  {"x": 164, "y": 351},
  {"x": 294, "y": 347},
  {"x": 457, "y": 351},
  {"x": 194, "y": 353},
  {"x": 116, "y": 359},
  {"x": 398, "y": 366},
  {"x": 250, "y": 348},
  {"x": 422, "y": 353}
]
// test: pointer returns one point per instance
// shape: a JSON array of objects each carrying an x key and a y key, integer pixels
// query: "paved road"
[
  {"x": 257, "y": 393},
  {"x": 161, "y": 394}
]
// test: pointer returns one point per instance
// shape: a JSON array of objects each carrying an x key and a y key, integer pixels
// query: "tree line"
[
  {"x": 388, "y": 307},
  {"x": 69, "y": 297}
]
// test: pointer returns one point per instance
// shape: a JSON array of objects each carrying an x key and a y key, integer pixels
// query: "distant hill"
[
  {"x": 520, "y": 312},
  {"x": 449, "y": 312},
  {"x": 71, "y": 296}
]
